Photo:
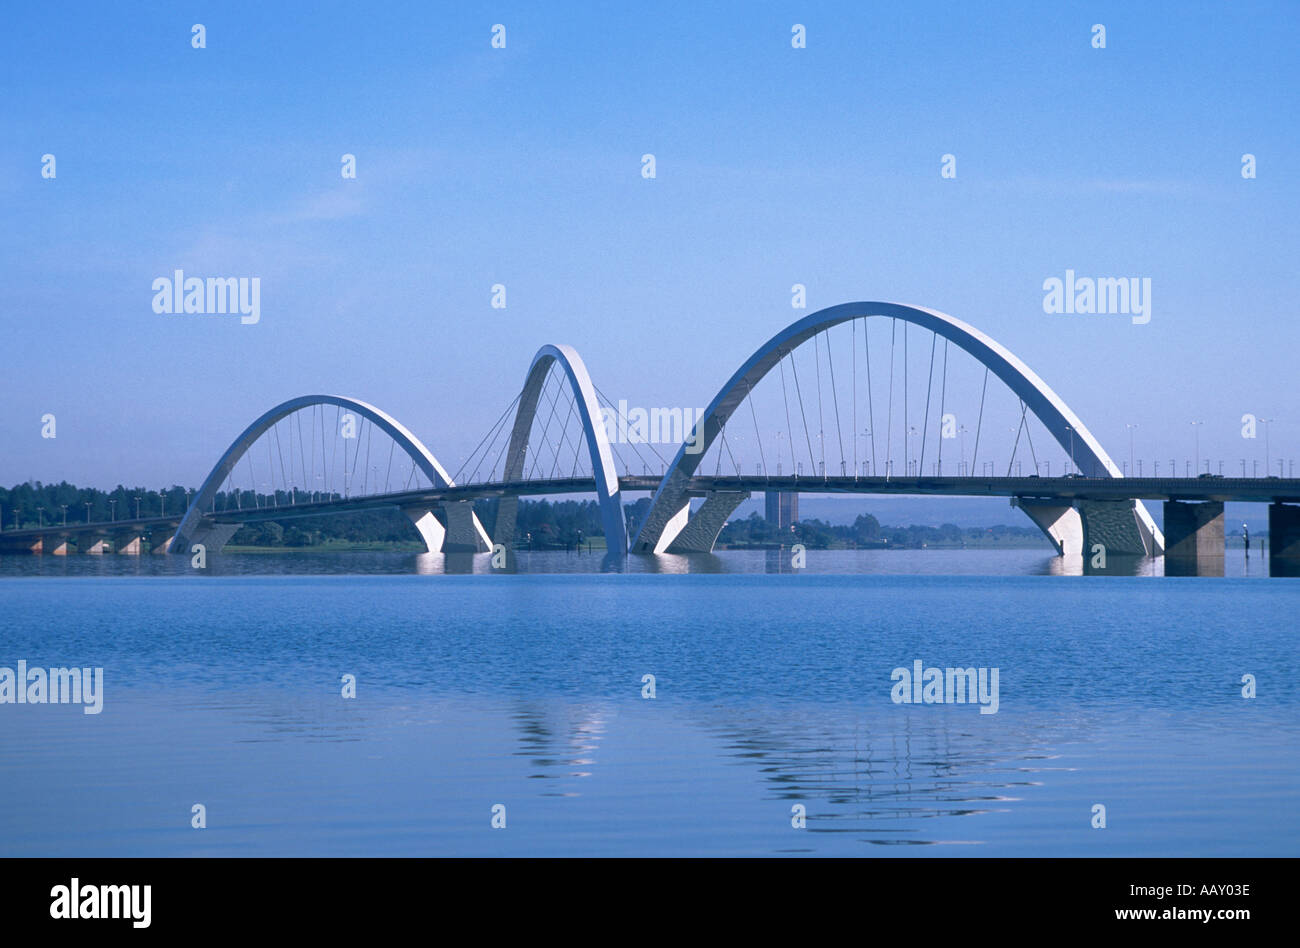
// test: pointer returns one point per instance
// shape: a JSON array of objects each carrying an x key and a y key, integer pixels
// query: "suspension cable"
[
  {"x": 757, "y": 436},
  {"x": 853, "y": 348},
  {"x": 545, "y": 428},
  {"x": 907, "y": 429},
  {"x": 794, "y": 367},
  {"x": 839, "y": 430},
  {"x": 889, "y": 424},
  {"x": 491, "y": 433},
  {"x": 1029, "y": 436},
  {"x": 789, "y": 431},
  {"x": 821, "y": 421},
  {"x": 925, "y": 422},
  {"x": 980, "y": 423},
  {"x": 871, "y": 408},
  {"x": 943, "y": 394}
]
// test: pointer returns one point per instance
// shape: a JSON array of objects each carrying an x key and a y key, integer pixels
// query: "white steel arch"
[
  {"x": 593, "y": 426},
  {"x": 191, "y": 528},
  {"x": 670, "y": 510}
]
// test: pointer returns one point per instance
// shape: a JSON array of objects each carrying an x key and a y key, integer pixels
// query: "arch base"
[{"x": 701, "y": 530}]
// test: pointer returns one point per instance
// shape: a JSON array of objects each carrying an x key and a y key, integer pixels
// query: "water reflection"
[
  {"x": 890, "y": 780},
  {"x": 451, "y": 564},
  {"x": 947, "y": 562},
  {"x": 258, "y": 722},
  {"x": 680, "y": 563},
  {"x": 1193, "y": 566},
  {"x": 561, "y": 741}
]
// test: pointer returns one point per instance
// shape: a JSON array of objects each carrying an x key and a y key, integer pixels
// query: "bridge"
[{"x": 1090, "y": 504}]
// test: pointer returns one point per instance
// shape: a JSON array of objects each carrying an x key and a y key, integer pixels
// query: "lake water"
[{"x": 772, "y": 690}]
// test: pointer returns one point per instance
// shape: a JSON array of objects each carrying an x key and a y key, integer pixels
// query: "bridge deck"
[{"x": 1222, "y": 489}]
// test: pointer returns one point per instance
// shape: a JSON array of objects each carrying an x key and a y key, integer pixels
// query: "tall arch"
[
  {"x": 670, "y": 514},
  {"x": 593, "y": 426},
  {"x": 192, "y": 529}
]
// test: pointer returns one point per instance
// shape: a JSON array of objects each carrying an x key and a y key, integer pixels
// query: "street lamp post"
[
  {"x": 112, "y": 510},
  {"x": 1196, "y": 427},
  {"x": 1130, "y": 446},
  {"x": 137, "y": 507}
]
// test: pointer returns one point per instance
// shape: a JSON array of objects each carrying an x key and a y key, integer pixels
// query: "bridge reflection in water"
[
  {"x": 920, "y": 779},
  {"x": 864, "y": 563}
]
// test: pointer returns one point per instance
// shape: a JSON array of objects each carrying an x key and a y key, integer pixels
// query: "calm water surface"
[{"x": 223, "y": 688}]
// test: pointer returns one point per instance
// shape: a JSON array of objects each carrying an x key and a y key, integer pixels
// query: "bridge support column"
[
  {"x": 1114, "y": 525},
  {"x": 702, "y": 529},
  {"x": 129, "y": 544},
  {"x": 429, "y": 527},
  {"x": 27, "y": 544},
  {"x": 1193, "y": 538},
  {"x": 160, "y": 539},
  {"x": 503, "y": 531},
  {"x": 1284, "y": 537},
  {"x": 93, "y": 543},
  {"x": 464, "y": 533},
  {"x": 55, "y": 545},
  {"x": 213, "y": 538},
  {"x": 457, "y": 531},
  {"x": 1060, "y": 521}
]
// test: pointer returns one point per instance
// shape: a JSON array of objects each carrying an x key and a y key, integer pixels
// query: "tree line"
[{"x": 539, "y": 524}]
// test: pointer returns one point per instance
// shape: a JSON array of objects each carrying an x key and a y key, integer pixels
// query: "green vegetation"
[
  {"x": 539, "y": 525},
  {"x": 866, "y": 533},
  {"x": 33, "y": 503}
]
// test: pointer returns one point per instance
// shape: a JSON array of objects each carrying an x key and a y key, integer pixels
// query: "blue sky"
[{"x": 521, "y": 166}]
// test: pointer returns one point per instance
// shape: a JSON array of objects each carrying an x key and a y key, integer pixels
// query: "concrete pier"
[
  {"x": 701, "y": 531},
  {"x": 20, "y": 544},
  {"x": 1284, "y": 539},
  {"x": 129, "y": 544},
  {"x": 1061, "y": 522},
  {"x": 457, "y": 530},
  {"x": 160, "y": 539},
  {"x": 429, "y": 527},
  {"x": 94, "y": 543},
  {"x": 55, "y": 545},
  {"x": 1193, "y": 538},
  {"x": 464, "y": 533},
  {"x": 1114, "y": 524}
]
